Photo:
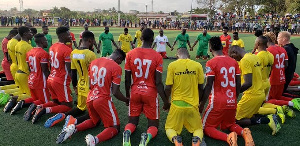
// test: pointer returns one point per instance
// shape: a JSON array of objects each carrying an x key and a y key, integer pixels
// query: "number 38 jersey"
[
  {"x": 34, "y": 58},
  {"x": 59, "y": 54},
  {"x": 223, "y": 94},
  {"x": 277, "y": 76},
  {"x": 103, "y": 72},
  {"x": 143, "y": 63}
]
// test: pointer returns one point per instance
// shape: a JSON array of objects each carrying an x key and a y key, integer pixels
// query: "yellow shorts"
[
  {"x": 13, "y": 70},
  {"x": 12, "y": 91},
  {"x": 249, "y": 105},
  {"x": 125, "y": 50},
  {"x": 189, "y": 117},
  {"x": 11, "y": 86},
  {"x": 83, "y": 91},
  {"x": 22, "y": 80}
]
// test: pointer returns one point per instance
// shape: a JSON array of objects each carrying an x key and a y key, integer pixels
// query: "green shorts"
[
  {"x": 202, "y": 51},
  {"x": 106, "y": 52}
]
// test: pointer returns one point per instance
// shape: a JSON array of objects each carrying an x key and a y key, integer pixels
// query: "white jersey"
[{"x": 161, "y": 43}]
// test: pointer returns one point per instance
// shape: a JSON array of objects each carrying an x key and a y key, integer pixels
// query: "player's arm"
[
  {"x": 195, "y": 43},
  {"x": 99, "y": 44},
  {"x": 174, "y": 43},
  {"x": 169, "y": 45},
  {"x": 286, "y": 63},
  {"x": 118, "y": 94},
  {"x": 188, "y": 41},
  {"x": 127, "y": 82},
  {"x": 237, "y": 85},
  {"x": 134, "y": 40},
  {"x": 132, "y": 44},
  {"x": 168, "y": 91},
  {"x": 80, "y": 40},
  {"x": 45, "y": 69},
  {"x": 115, "y": 44},
  {"x": 74, "y": 78},
  {"x": 154, "y": 44},
  {"x": 68, "y": 65},
  {"x": 8, "y": 57},
  {"x": 207, "y": 90},
  {"x": 98, "y": 50},
  {"x": 248, "y": 82},
  {"x": 75, "y": 44},
  {"x": 160, "y": 89}
]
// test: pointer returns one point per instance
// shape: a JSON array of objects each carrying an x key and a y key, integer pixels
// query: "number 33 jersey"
[
  {"x": 223, "y": 94},
  {"x": 103, "y": 72},
  {"x": 59, "y": 54},
  {"x": 34, "y": 58},
  {"x": 143, "y": 63}
]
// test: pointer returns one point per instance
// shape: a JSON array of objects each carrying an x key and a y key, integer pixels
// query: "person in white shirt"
[{"x": 161, "y": 40}]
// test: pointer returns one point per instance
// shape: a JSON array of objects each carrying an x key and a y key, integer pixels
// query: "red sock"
[
  {"x": 214, "y": 133},
  {"x": 38, "y": 102},
  {"x": 152, "y": 130},
  {"x": 285, "y": 98},
  {"x": 107, "y": 134},
  {"x": 278, "y": 102},
  {"x": 49, "y": 104},
  {"x": 131, "y": 127},
  {"x": 59, "y": 109},
  {"x": 87, "y": 124},
  {"x": 294, "y": 83},
  {"x": 236, "y": 128},
  {"x": 29, "y": 100}
]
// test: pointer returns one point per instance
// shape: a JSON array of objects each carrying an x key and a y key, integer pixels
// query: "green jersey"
[
  {"x": 203, "y": 41},
  {"x": 106, "y": 40},
  {"x": 182, "y": 40},
  {"x": 49, "y": 40},
  {"x": 32, "y": 42}
]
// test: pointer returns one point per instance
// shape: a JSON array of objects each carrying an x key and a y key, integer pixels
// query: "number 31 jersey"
[
  {"x": 103, "y": 72},
  {"x": 59, "y": 54},
  {"x": 143, "y": 63},
  {"x": 34, "y": 58},
  {"x": 223, "y": 94}
]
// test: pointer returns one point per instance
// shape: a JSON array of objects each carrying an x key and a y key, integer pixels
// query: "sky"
[{"x": 90, "y": 5}]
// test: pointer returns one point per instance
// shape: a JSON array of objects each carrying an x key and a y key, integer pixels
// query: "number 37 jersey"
[
  {"x": 223, "y": 94},
  {"x": 59, "y": 54},
  {"x": 143, "y": 63}
]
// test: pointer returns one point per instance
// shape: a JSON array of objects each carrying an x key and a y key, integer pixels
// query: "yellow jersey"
[
  {"x": 125, "y": 40},
  {"x": 81, "y": 60},
  {"x": 11, "y": 47},
  {"x": 250, "y": 64},
  {"x": 239, "y": 43},
  {"x": 267, "y": 60},
  {"x": 22, "y": 48},
  {"x": 138, "y": 35},
  {"x": 184, "y": 75}
]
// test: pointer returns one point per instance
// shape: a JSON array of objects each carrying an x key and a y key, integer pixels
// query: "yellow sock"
[
  {"x": 198, "y": 133},
  {"x": 171, "y": 133},
  {"x": 10, "y": 91},
  {"x": 269, "y": 105},
  {"x": 12, "y": 86},
  {"x": 266, "y": 111}
]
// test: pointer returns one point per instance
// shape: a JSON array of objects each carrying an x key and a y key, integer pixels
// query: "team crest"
[{"x": 207, "y": 70}]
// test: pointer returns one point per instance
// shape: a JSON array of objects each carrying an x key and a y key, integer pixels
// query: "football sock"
[
  {"x": 152, "y": 132},
  {"x": 269, "y": 105},
  {"x": 131, "y": 127},
  {"x": 278, "y": 102},
  {"x": 107, "y": 134},
  {"x": 259, "y": 120},
  {"x": 29, "y": 100},
  {"x": 266, "y": 111},
  {"x": 214, "y": 133},
  {"x": 23, "y": 97},
  {"x": 82, "y": 118},
  {"x": 75, "y": 112},
  {"x": 236, "y": 128},
  {"x": 170, "y": 134},
  {"x": 87, "y": 124},
  {"x": 59, "y": 109},
  {"x": 49, "y": 104},
  {"x": 37, "y": 102},
  {"x": 198, "y": 133}
]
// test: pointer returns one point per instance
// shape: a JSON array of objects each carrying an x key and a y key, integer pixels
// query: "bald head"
[
  {"x": 262, "y": 42},
  {"x": 183, "y": 53},
  {"x": 236, "y": 52}
]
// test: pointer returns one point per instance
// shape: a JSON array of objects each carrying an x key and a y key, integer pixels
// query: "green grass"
[{"x": 15, "y": 131}]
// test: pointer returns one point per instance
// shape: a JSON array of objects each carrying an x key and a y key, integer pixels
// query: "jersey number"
[
  {"x": 32, "y": 64},
  {"x": 54, "y": 60},
  {"x": 225, "y": 72},
  {"x": 280, "y": 64},
  {"x": 99, "y": 76},
  {"x": 139, "y": 64}
]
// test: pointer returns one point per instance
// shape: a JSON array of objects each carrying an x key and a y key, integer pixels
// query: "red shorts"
[
  {"x": 104, "y": 110},
  {"x": 163, "y": 54},
  {"x": 40, "y": 94},
  {"x": 145, "y": 101},
  {"x": 6, "y": 69},
  {"x": 275, "y": 92},
  {"x": 224, "y": 118},
  {"x": 60, "y": 92}
]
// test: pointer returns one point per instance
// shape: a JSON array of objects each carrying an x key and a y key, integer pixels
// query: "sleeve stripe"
[
  {"x": 127, "y": 69},
  {"x": 237, "y": 74},
  {"x": 210, "y": 75},
  {"x": 159, "y": 71},
  {"x": 44, "y": 62},
  {"x": 115, "y": 83}
]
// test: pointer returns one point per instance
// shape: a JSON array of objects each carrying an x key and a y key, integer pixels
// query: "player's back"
[
  {"x": 103, "y": 72},
  {"x": 80, "y": 60},
  {"x": 11, "y": 46},
  {"x": 36, "y": 56},
  {"x": 223, "y": 95},
  {"x": 143, "y": 64},
  {"x": 59, "y": 54},
  {"x": 266, "y": 60},
  {"x": 21, "y": 49},
  {"x": 277, "y": 76}
]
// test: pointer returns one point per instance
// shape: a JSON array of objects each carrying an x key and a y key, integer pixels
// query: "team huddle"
[{"x": 38, "y": 77}]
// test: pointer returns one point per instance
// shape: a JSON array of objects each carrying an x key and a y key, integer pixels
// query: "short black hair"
[
  {"x": 120, "y": 53},
  {"x": 33, "y": 30},
  {"x": 38, "y": 37},
  {"x": 87, "y": 35},
  {"x": 61, "y": 30},
  {"x": 125, "y": 29},
  {"x": 258, "y": 33},
  {"x": 44, "y": 26},
  {"x": 236, "y": 33},
  {"x": 15, "y": 28},
  {"x": 215, "y": 43},
  {"x": 13, "y": 32},
  {"x": 147, "y": 34},
  {"x": 22, "y": 30},
  {"x": 225, "y": 27}
]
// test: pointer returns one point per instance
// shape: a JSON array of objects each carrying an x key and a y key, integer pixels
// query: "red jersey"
[
  {"x": 226, "y": 41},
  {"x": 70, "y": 44},
  {"x": 223, "y": 94},
  {"x": 36, "y": 78},
  {"x": 4, "y": 49},
  {"x": 59, "y": 54},
  {"x": 277, "y": 76},
  {"x": 143, "y": 63},
  {"x": 103, "y": 72}
]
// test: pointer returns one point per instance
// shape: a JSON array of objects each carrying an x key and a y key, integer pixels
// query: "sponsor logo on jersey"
[{"x": 186, "y": 72}]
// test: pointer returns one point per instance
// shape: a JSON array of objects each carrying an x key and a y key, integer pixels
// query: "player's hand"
[
  {"x": 191, "y": 49},
  {"x": 98, "y": 51},
  {"x": 127, "y": 102},
  {"x": 166, "y": 106},
  {"x": 75, "y": 90},
  {"x": 172, "y": 49}
]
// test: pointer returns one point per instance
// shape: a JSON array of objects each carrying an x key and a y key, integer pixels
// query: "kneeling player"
[
  {"x": 37, "y": 59},
  {"x": 223, "y": 88},
  {"x": 185, "y": 80},
  {"x": 104, "y": 73}
]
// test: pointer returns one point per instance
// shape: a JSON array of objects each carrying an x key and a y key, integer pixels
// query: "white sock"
[
  {"x": 96, "y": 140},
  {"x": 291, "y": 103},
  {"x": 48, "y": 110}
]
